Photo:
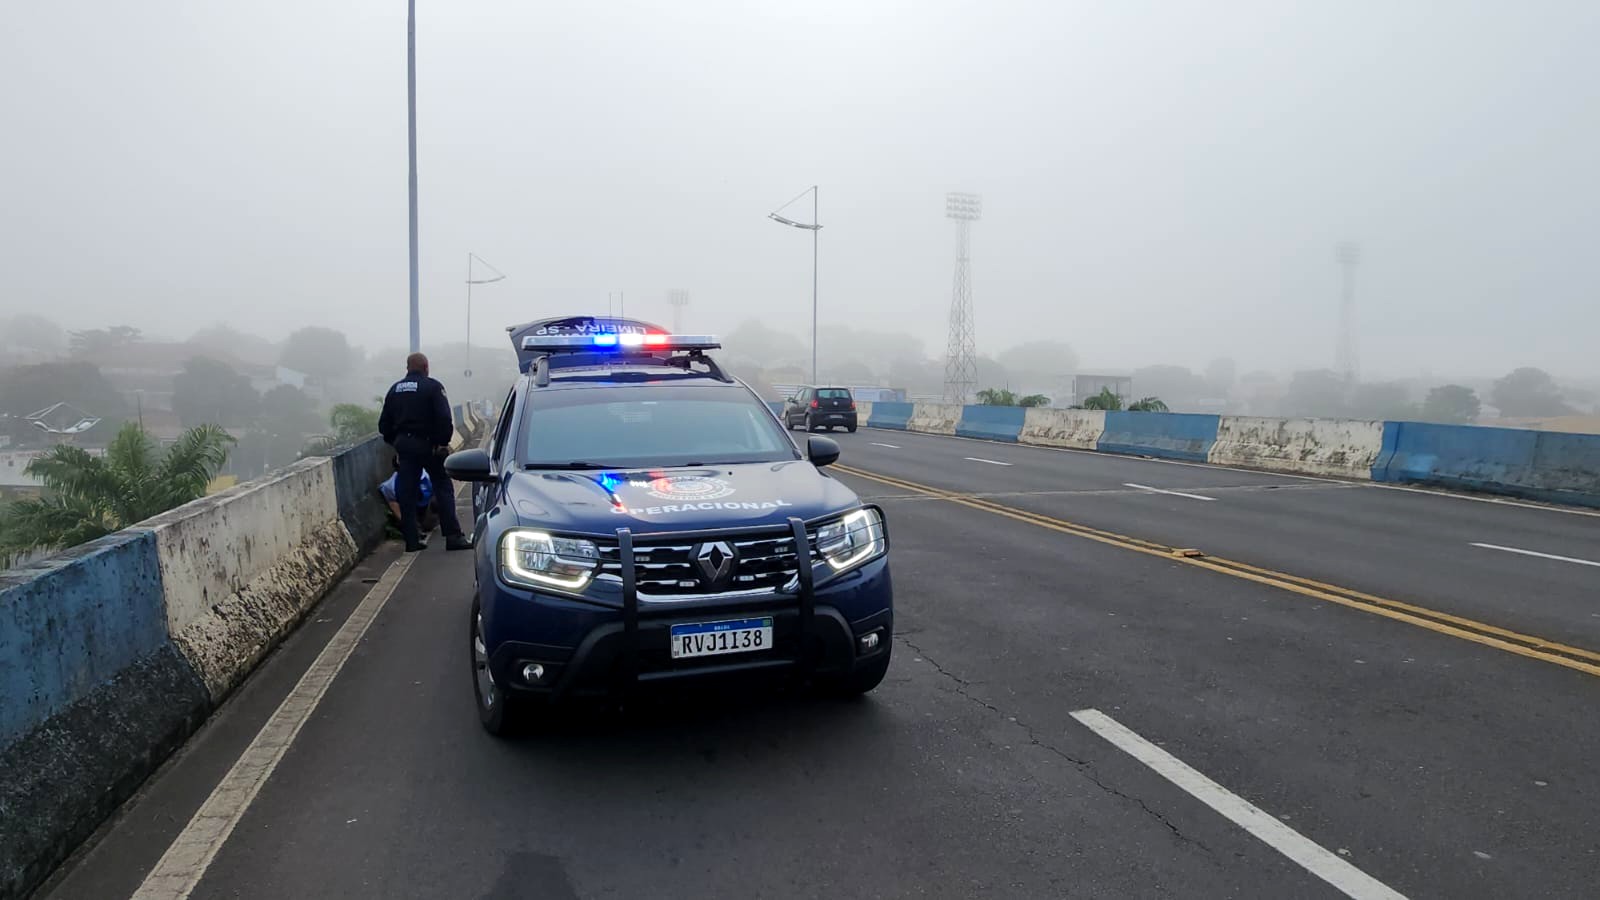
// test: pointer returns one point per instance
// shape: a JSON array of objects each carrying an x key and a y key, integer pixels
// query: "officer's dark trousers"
[{"x": 416, "y": 455}]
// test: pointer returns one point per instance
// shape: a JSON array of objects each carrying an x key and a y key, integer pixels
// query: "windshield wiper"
[{"x": 567, "y": 466}]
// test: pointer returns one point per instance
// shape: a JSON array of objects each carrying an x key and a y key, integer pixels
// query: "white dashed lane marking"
[
  {"x": 1152, "y": 490},
  {"x": 1565, "y": 559},
  {"x": 1313, "y": 857}
]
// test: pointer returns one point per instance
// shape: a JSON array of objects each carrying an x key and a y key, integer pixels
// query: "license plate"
[{"x": 716, "y": 638}]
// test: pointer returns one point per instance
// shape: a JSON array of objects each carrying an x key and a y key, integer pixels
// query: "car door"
[
  {"x": 797, "y": 407},
  {"x": 487, "y": 493}
]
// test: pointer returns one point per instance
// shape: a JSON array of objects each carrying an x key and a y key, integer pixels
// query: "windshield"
[{"x": 625, "y": 427}]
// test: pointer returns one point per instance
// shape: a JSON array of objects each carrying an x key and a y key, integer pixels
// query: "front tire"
[{"x": 500, "y": 713}]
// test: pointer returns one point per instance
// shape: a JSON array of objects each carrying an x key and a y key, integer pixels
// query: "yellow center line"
[{"x": 1499, "y": 638}]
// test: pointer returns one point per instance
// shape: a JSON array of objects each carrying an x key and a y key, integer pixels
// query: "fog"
[{"x": 1162, "y": 182}]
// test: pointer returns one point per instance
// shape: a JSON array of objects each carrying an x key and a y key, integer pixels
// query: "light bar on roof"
[{"x": 606, "y": 342}]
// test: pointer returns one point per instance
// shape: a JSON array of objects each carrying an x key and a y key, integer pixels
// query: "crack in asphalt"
[{"x": 1085, "y": 767}]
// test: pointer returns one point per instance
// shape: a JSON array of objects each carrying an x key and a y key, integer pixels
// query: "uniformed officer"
[{"x": 416, "y": 421}]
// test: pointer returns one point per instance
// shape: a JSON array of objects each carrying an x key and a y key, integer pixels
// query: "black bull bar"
[{"x": 805, "y": 592}]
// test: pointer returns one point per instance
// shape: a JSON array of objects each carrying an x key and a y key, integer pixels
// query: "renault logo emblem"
[{"x": 715, "y": 561}]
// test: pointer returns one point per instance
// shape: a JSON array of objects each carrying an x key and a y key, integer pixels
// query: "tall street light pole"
[
  {"x": 814, "y": 227},
  {"x": 411, "y": 137}
]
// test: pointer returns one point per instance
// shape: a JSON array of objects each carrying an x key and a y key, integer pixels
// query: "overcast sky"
[{"x": 1163, "y": 182}]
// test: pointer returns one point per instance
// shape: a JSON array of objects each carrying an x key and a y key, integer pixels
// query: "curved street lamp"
[
  {"x": 471, "y": 258},
  {"x": 814, "y": 227}
]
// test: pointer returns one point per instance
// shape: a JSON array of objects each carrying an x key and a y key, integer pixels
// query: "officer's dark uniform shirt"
[{"x": 416, "y": 406}]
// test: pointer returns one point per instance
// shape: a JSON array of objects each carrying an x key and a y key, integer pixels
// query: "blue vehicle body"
[{"x": 691, "y": 545}]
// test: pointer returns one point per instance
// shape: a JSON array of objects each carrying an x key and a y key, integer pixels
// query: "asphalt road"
[{"x": 1436, "y": 765}]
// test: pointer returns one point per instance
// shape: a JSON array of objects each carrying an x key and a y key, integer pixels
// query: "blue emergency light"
[{"x": 613, "y": 341}]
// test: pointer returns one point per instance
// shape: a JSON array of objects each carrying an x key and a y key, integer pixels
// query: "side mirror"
[
  {"x": 788, "y": 399},
  {"x": 469, "y": 465},
  {"x": 822, "y": 451}
]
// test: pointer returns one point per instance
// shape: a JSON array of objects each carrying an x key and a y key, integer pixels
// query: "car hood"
[{"x": 659, "y": 500}]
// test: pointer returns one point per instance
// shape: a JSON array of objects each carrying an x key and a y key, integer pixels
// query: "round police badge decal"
[{"x": 689, "y": 487}]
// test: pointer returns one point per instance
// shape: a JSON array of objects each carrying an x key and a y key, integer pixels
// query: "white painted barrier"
[
  {"x": 863, "y": 412},
  {"x": 239, "y": 568},
  {"x": 1078, "y": 429},
  {"x": 1345, "y": 448},
  {"x": 934, "y": 418}
]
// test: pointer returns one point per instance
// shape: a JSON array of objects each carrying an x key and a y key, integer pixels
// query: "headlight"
[
  {"x": 852, "y": 540},
  {"x": 535, "y": 559}
]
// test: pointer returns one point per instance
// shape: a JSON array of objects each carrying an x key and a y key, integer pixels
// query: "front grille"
[{"x": 667, "y": 568}]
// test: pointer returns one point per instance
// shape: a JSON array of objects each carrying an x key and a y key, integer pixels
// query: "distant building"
[
  {"x": 11, "y": 469},
  {"x": 162, "y": 424},
  {"x": 14, "y": 480},
  {"x": 289, "y": 377},
  {"x": 1086, "y": 386},
  {"x": 18, "y": 355},
  {"x": 860, "y": 392},
  {"x": 142, "y": 371},
  {"x": 879, "y": 395}
]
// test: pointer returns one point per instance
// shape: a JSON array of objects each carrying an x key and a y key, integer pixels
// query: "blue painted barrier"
[
  {"x": 1186, "y": 436},
  {"x": 72, "y": 621},
  {"x": 994, "y": 423},
  {"x": 93, "y": 696},
  {"x": 1535, "y": 465},
  {"x": 893, "y": 415}
]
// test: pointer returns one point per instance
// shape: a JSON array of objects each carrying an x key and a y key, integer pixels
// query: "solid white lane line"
[
  {"x": 1269, "y": 829},
  {"x": 992, "y": 462},
  {"x": 1145, "y": 487},
  {"x": 1581, "y": 562},
  {"x": 1498, "y": 501},
  {"x": 890, "y": 446},
  {"x": 186, "y": 860}
]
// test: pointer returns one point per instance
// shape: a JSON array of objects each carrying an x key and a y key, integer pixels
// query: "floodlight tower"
[
  {"x": 961, "y": 358},
  {"x": 678, "y": 299},
  {"x": 1348, "y": 255}
]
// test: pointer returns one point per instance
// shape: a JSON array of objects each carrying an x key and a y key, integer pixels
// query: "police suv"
[{"x": 642, "y": 520}]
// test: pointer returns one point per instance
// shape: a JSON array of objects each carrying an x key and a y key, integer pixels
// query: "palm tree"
[
  {"x": 1148, "y": 404},
  {"x": 1033, "y": 400},
  {"x": 996, "y": 397},
  {"x": 351, "y": 422},
  {"x": 1105, "y": 400},
  {"x": 87, "y": 496}
]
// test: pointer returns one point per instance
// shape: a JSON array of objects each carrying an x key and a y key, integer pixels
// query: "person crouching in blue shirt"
[{"x": 426, "y": 520}]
